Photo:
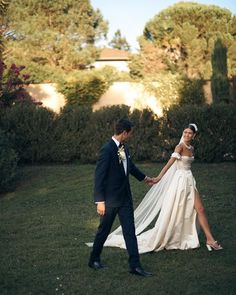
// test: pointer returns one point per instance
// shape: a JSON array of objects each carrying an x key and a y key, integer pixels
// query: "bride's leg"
[{"x": 202, "y": 218}]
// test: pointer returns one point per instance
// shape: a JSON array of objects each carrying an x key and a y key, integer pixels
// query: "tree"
[
  {"x": 219, "y": 79},
  {"x": 54, "y": 35},
  {"x": 191, "y": 92},
  {"x": 12, "y": 80},
  {"x": 8, "y": 157},
  {"x": 119, "y": 42},
  {"x": 3, "y": 8},
  {"x": 12, "y": 84},
  {"x": 136, "y": 66},
  {"x": 185, "y": 33}
]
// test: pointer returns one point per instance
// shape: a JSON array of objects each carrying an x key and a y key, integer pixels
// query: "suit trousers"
[{"x": 126, "y": 217}]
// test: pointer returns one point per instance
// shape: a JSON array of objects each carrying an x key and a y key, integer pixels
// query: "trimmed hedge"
[
  {"x": 31, "y": 130},
  {"x": 38, "y": 135},
  {"x": 70, "y": 133},
  {"x": 216, "y": 137}
]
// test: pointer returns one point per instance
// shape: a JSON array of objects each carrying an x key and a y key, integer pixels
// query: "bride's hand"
[{"x": 156, "y": 179}]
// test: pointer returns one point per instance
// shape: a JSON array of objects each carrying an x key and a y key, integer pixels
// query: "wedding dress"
[{"x": 170, "y": 205}]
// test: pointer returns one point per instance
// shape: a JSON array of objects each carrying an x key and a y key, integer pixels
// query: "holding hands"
[
  {"x": 148, "y": 180},
  {"x": 101, "y": 207},
  {"x": 156, "y": 179},
  {"x": 151, "y": 180}
]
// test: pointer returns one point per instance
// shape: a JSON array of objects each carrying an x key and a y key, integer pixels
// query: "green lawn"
[{"x": 45, "y": 223}]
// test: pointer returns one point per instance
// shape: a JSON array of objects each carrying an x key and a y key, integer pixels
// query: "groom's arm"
[
  {"x": 137, "y": 173},
  {"x": 101, "y": 174},
  {"x": 134, "y": 170}
]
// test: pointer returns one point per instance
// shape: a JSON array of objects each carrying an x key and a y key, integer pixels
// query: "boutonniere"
[{"x": 121, "y": 153}]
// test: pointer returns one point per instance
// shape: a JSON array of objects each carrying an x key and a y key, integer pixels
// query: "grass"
[{"x": 45, "y": 223}]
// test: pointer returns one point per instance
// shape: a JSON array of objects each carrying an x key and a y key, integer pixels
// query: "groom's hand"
[
  {"x": 101, "y": 208},
  {"x": 148, "y": 180}
]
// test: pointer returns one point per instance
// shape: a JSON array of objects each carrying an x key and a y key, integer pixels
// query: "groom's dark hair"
[{"x": 123, "y": 125}]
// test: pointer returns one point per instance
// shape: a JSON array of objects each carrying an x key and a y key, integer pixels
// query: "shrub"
[
  {"x": 99, "y": 130},
  {"x": 31, "y": 129},
  {"x": 8, "y": 164},
  {"x": 216, "y": 138},
  {"x": 38, "y": 135},
  {"x": 145, "y": 143},
  {"x": 70, "y": 133},
  {"x": 84, "y": 88},
  {"x": 43, "y": 73},
  {"x": 191, "y": 92},
  {"x": 12, "y": 82}
]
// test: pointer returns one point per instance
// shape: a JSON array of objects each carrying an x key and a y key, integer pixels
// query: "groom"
[{"x": 112, "y": 195}]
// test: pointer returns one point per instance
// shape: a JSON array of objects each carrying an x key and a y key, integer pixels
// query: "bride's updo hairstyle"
[{"x": 193, "y": 127}]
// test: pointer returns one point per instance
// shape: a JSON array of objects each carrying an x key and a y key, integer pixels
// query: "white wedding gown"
[{"x": 171, "y": 203}]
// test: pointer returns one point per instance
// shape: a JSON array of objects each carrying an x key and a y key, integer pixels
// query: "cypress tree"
[{"x": 219, "y": 79}]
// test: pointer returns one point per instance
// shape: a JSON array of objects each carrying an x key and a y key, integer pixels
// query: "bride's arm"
[{"x": 178, "y": 150}]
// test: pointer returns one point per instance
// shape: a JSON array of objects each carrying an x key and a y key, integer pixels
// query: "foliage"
[
  {"x": 3, "y": 6},
  {"x": 79, "y": 132},
  {"x": 119, "y": 42},
  {"x": 214, "y": 142},
  {"x": 38, "y": 135},
  {"x": 111, "y": 75},
  {"x": 219, "y": 79},
  {"x": 100, "y": 130},
  {"x": 84, "y": 88},
  {"x": 8, "y": 164},
  {"x": 184, "y": 34},
  {"x": 232, "y": 60},
  {"x": 31, "y": 130},
  {"x": 42, "y": 73},
  {"x": 71, "y": 133},
  {"x": 12, "y": 82},
  {"x": 60, "y": 34},
  {"x": 191, "y": 92},
  {"x": 165, "y": 87},
  {"x": 136, "y": 66},
  {"x": 146, "y": 141}
]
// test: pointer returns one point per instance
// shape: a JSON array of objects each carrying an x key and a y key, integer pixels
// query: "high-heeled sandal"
[{"x": 214, "y": 246}]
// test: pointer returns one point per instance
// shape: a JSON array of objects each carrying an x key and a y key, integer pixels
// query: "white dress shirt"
[{"x": 123, "y": 161}]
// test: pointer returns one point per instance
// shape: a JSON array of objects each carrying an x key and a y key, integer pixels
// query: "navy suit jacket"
[{"x": 111, "y": 183}]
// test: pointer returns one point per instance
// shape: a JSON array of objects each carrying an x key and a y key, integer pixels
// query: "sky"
[{"x": 130, "y": 16}]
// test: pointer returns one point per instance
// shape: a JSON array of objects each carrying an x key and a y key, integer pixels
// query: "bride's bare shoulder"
[{"x": 179, "y": 148}]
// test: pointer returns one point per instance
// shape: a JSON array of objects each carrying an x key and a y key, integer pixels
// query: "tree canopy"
[
  {"x": 183, "y": 36},
  {"x": 119, "y": 42},
  {"x": 52, "y": 34}
]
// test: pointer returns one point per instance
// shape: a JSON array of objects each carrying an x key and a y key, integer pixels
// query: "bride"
[{"x": 173, "y": 204}]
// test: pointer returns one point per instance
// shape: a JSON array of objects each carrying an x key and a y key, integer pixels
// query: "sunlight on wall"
[
  {"x": 131, "y": 94},
  {"x": 47, "y": 94}
]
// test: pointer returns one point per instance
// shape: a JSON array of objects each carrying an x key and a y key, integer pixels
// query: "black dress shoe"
[
  {"x": 96, "y": 265},
  {"x": 140, "y": 272}
]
